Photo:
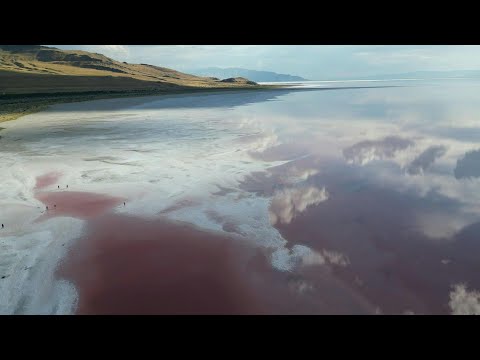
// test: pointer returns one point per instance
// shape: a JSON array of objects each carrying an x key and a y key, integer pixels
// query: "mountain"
[
  {"x": 33, "y": 77},
  {"x": 27, "y": 69},
  {"x": 254, "y": 75}
]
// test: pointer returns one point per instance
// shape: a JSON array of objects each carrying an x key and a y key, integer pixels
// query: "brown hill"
[
  {"x": 27, "y": 69},
  {"x": 238, "y": 80},
  {"x": 33, "y": 77}
]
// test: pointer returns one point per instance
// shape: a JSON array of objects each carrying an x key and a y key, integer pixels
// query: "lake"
[{"x": 326, "y": 198}]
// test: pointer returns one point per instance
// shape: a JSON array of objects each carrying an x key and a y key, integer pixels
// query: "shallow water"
[{"x": 345, "y": 200}]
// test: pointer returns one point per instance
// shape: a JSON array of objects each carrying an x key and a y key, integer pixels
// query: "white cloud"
[
  {"x": 336, "y": 258},
  {"x": 464, "y": 302},
  {"x": 313, "y": 258},
  {"x": 369, "y": 150},
  {"x": 304, "y": 256},
  {"x": 441, "y": 225},
  {"x": 287, "y": 203},
  {"x": 324, "y": 257},
  {"x": 420, "y": 57},
  {"x": 395, "y": 56},
  {"x": 295, "y": 174},
  {"x": 262, "y": 142},
  {"x": 310, "y": 61}
]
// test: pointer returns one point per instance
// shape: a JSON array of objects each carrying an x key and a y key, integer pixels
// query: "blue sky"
[{"x": 313, "y": 62}]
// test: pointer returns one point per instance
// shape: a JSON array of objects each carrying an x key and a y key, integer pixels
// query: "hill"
[
  {"x": 34, "y": 76},
  {"x": 33, "y": 69},
  {"x": 254, "y": 75},
  {"x": 238, "y": 80}
]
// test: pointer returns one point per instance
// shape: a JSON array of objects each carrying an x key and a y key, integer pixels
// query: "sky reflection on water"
[
  {"x": 401, "y": 169},
  {"x": 367, "y": 199}
]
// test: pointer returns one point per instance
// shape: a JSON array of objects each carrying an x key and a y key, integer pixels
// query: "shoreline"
[{"x": 15, "y": 106}]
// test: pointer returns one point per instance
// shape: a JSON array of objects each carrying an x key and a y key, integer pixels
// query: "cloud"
[
  {"x": 295, "y": 174},
  {"x": 464, "y": 302},
  {"x": 259, "y": 143},
  {"x": 418, "y": 57},
  {"x": 304, "y": 256},
  {"x": 370, "y": 150},
  {"x": 395, "y": 55},
  {"x": 423, "y": 161},
  {"x": 312, "y": 258},
  {"x": 468, "y": 166},
  {"x": 336, "y": 258},
  {"x": 324, "y": 257},
  {"x": 289, "y": 202},
  {"x": 313, "y": 62}
]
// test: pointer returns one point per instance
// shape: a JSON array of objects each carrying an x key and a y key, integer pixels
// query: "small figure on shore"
[
  {"x": 55, "y": 205},
  {"x": 124, "y": 203},
  {"x": 2, "y": 226},
  {"x": 47, "y": 207},
  {"x": 59, "y": 186}
]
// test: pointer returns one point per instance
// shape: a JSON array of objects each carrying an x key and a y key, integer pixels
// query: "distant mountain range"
[{"x": 254, "y": 75}]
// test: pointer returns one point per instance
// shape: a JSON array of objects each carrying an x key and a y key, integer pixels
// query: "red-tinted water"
[
  {"x": 82, "y": 205},
  {"x": 129, "y": 265},
  {"x": 46, "y": 180}
]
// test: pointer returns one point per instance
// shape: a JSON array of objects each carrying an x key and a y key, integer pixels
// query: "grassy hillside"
[
  {"x": 33, "y": 76},
  {"x": 22, "y": 68}
]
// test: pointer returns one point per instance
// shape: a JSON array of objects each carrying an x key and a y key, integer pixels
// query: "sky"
[{"x": 314, "y": 62}]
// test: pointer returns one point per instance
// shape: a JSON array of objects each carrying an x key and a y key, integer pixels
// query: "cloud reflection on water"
[
  {"x": 468, "y": 166},
  {"x": 423, "y": 161},
  {"x": 463, "y": 301},
  {"x": 289, "y": 202},
  {"x": 369, "y": 150},
  {"x": 381, "y": 222}
]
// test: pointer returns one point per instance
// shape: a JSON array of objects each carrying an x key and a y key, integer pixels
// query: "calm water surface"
[{"x": 367, "y": 195}]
